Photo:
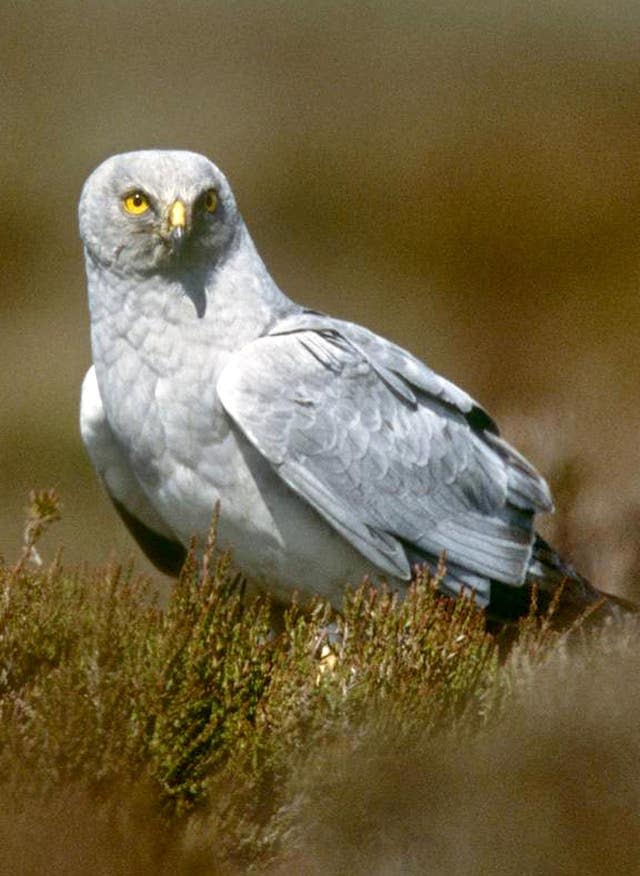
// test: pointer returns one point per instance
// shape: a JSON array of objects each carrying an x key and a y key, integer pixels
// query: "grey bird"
[{"x": 333, "y": 452}]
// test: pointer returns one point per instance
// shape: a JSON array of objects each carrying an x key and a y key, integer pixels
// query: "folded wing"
[{"x": 400, "y": 461}]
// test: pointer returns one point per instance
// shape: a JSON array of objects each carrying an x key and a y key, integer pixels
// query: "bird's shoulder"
[{"x": 305, "y": 339}]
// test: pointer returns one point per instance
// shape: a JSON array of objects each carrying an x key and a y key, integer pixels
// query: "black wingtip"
[
  {"x": 166, "y": 555},
  {"x": 480, "y": 420}
]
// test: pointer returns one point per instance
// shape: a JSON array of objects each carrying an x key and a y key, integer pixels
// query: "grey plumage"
[
  {"x": 333, "y": 452},
  {"x": 351, "y": 435}
]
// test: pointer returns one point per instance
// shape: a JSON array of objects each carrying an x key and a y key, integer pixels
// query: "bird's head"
[{"x": 154, "y": 211}]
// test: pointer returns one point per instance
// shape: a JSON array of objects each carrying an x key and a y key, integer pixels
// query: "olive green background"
[{"x": 462, "y": 177}]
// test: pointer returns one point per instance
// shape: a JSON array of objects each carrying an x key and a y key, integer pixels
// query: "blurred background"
[{"x": 464, "y": 178}]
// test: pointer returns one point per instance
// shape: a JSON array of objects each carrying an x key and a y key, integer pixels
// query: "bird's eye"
[
  {"x": 136, "y": 203},
  {"x": 211, "y": 201}
]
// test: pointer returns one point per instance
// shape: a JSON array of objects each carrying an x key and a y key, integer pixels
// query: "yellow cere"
[
  {"x": 177, "y": 215},
  {"x": 211, "y": 201},
  {"x": 136, "y": 203}
]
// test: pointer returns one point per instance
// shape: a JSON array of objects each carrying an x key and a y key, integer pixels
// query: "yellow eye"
[
  {"x": 211, "y": 201},
  {"x": 136, "y": 203}
]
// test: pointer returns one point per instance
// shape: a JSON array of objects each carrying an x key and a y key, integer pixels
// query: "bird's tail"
[{"x": 557, "y": 589}]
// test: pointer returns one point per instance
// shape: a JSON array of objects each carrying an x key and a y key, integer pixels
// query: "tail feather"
[{"x": 555, "y": 580}]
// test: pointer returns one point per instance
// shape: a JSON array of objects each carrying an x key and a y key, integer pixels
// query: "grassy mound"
[{"x": 194, "y": 739}]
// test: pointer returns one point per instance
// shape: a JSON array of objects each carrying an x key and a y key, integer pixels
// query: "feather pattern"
[{"x": 388, "y": 452}]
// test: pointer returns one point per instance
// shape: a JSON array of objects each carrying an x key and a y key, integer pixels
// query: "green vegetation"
[{"x": 193, "y": 739}]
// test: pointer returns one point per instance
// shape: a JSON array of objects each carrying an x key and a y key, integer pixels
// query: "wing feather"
[{"x": 401, "y": 466}]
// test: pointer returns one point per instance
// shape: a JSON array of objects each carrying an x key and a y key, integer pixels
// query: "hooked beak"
[{"x": 177, "y": 219}]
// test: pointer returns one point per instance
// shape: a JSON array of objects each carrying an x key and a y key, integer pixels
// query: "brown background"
[{"x": 464, "y": 178}]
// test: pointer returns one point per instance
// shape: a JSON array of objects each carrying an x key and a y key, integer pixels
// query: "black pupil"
[{"x": 137, "y": 199}]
